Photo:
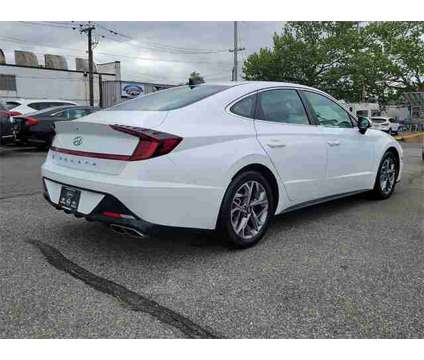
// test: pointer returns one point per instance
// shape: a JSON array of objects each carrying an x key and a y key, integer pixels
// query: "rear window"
[{"x": 170, "y": 99}]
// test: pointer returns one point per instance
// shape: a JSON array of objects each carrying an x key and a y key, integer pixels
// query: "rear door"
[
  {"x": 350, "y": 153},
  {"x": 293, "y": 143}
]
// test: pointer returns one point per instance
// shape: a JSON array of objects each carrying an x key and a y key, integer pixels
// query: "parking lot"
[{"x": 349, "y": 268}]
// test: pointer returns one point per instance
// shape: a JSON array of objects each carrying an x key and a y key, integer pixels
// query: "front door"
[{"x": 350, "y": 153}]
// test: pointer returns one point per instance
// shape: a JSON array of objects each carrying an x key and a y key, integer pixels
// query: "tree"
[
  {"x": 350, "y": 60},
  {"x": 400, "y": 48},
  {"x": 195, "y": 78},
  {"x": 308, "y": 53}
]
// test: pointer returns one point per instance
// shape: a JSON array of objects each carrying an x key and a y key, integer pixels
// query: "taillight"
[
  {"x": 14, "y": 113},
  {"x": 152, "y": 143},
  {"x": 29, "y": 121}
]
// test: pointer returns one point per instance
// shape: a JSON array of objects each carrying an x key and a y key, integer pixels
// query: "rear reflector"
[
  {"x": 117, "y": 215},
  {"x": 152, "y": 143},
  {"x": 91, "y": 154}
]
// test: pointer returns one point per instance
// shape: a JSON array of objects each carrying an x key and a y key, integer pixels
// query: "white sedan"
[
  {"x": 25, "y": 106},
  {"x": 224, "y": 157}
]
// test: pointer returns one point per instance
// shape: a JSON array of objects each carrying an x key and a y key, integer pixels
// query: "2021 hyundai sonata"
[{"x": 224, "y": 156}]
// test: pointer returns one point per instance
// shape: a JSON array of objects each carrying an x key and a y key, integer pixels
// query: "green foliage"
[
  {"x": 350, "y": 60},
  {"x": 196, "y": 78}
]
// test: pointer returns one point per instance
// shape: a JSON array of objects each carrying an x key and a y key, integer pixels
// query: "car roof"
[{"x": 258, "y": 84}]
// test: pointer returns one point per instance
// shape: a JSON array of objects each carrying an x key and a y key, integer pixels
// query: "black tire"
[
  {"x": 43, "y": 147},
  {"x": 378, "y": 192},
  {"x": 224, "y": 225}
]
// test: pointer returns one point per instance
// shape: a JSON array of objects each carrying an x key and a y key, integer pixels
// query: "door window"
[
  {"x": 284, "y": 106},
  {"x": 72, "y": 114},
  {"x": 329, "y": 114},
  {"x": 245, "y": 107}
]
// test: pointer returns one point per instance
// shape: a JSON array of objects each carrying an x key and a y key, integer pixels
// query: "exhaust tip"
[{"x": 125, "y": 230}]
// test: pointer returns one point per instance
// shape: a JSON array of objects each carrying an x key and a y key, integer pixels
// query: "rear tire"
[
  {"x": 246, "y": 209},
  {"x": 385, "y": 181}
]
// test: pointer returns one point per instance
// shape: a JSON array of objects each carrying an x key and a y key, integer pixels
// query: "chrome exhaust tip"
[{"x": 125, "y": 230}]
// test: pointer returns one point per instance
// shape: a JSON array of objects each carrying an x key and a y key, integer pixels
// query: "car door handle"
[
  {"x": 333, "y": 142},
  {"x": 276, "y": 144}
]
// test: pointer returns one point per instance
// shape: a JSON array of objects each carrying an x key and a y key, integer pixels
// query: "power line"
[
  {"x": 115, "y": 55},
  {"x": 154, "y": 45}
]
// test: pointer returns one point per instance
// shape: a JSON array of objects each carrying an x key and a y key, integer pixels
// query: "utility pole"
[
  {"x": 89, "y": 30},
  {"x": 234, "y": 76}
]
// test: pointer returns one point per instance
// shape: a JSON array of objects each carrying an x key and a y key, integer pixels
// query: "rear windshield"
[{"x": 170, "y": 99}]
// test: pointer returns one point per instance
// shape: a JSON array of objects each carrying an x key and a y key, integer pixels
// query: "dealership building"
[{"x": 28, "y": 79}]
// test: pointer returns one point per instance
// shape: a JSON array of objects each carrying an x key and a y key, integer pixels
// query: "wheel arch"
[
  {"x": 269, "y": 176},
  {"x": 395, "y": 152}
]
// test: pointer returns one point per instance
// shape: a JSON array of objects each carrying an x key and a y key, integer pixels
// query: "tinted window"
[
  {"x": 170, "y": 99},
  {"x": 328, "y": 112},
  {"x": 245, "y": 107},
  {"x": 282, "y": 106},
  {"x": 72, "y": 114},
  {"x": 45, "y": 105},
  {"x": 60, "y": 104},
  {"x": 11, "y": 104},
  {"x": 39, "y": 105}
]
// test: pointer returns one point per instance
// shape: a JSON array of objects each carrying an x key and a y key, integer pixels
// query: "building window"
[{"x": 7, "y": 82}]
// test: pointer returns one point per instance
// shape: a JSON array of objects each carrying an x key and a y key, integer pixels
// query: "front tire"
[
  {"x": 246, "y": 209},
  {"x": 385, "y": 181}
]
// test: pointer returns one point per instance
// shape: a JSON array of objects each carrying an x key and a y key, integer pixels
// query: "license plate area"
[{"x": 69, "y": 198}]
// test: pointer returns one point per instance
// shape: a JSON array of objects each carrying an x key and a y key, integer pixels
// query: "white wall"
[{"x": 37, "y": 83}]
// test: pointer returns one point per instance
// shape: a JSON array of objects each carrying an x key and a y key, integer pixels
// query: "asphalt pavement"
[{"x": 352, "y": 268}]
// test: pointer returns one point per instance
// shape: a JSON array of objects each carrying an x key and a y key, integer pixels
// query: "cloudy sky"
[{"x": 161, "y": 52}]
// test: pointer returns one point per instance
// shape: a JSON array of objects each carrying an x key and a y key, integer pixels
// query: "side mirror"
[{"x": 363, "y": 124}]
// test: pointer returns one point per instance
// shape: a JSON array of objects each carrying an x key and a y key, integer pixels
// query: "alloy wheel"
[
  {"x": 387, "y": 175},
  {"x": 249, "y": 209}
]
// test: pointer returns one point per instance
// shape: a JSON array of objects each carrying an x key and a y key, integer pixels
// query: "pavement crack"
[
  {"x": 136, "y": 302},
  {"x": 20, "y": 195}
]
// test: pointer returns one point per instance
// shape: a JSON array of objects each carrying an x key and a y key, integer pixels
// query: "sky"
[{"x": 159, "y": 52}]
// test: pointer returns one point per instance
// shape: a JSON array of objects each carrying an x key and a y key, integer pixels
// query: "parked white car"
[
  {"x": 224, "y": 156},
  {"x": 25, "y": 106},
  {"x": 386, "y": 124}
]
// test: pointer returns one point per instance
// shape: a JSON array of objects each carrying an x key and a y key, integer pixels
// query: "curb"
[{"x": 408, "y": 137}]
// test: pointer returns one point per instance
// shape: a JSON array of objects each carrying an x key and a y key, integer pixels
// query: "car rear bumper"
[
  {"x": 109, "y": 204},
  {"x": 152, "y": 201}
]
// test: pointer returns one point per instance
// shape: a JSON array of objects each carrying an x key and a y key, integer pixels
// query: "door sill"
[{"x": 321, "y": 200}]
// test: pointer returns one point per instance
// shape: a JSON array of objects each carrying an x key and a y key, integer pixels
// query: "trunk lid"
[
  {"x": 91, "y": 144},
  {"x": 94, "y": 134}
]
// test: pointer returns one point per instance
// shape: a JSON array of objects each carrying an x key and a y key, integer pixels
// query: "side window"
[
  {"x": 75, "y": 113},
  {"x": 58, "y": 114},
  {"x": 329, "y": 114},
  {"x": 12, "y": 104},
  {"x": 59, "y": 103},
  {"x": 35, "y": 106},
  {"x": 282, "y": 106},
  {"x": 245, "y": 107},
  {"x": 41, "y": 105}
]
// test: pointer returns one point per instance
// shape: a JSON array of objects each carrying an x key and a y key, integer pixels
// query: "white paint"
[{"x": 186, "y": 187}]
